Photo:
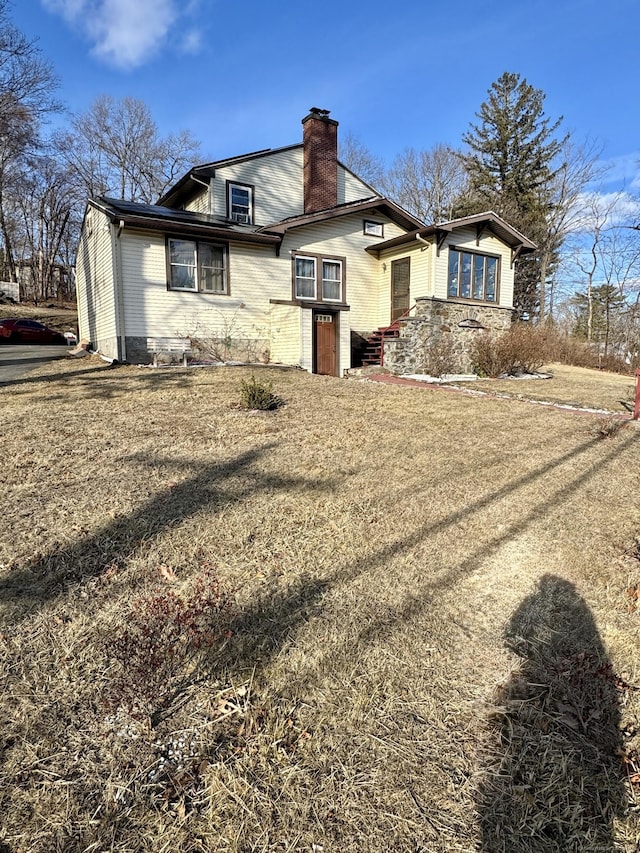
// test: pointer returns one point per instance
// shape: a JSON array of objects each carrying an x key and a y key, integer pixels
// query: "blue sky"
[{"x": 241, "y": 76}]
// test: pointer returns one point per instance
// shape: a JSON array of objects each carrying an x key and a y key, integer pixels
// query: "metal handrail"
[{"x": 383, "y": 331}]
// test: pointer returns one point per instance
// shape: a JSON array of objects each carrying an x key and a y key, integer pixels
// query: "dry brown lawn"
[
  {"x": 577, "y": 386},
  {"x": 64, "y": 318},
  {"x": 425, "y": 636}
]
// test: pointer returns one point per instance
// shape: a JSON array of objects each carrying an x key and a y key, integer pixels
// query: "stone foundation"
[
  {"x": 251, "y": 350},
  {"x": 439, "y": 337}
]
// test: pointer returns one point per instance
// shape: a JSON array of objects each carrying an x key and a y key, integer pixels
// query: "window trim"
[
  {"x": 251, "y": 190},
  {"x": 302, "y": 257},
  {"x": 322, "y": 279},
  {"x": 197, "y": 243},
  {"x": 485, "y": 255},
  {"x": 318, "y": 260},
  {"x": 372, "y": 228}
]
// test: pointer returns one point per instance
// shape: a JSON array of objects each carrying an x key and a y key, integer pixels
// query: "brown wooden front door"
[
  {"x": 325, "y": 338},
  {"x": 400, "y": 275}
]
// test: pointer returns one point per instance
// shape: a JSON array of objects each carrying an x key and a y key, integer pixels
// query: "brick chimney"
[{"x": 320, "y": 145}]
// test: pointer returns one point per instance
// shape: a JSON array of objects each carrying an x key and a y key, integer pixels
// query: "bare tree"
[
  {"x": 27, "y": 86},
  {"x": 429, "y": 183},
  {"x": 580, "y": 167},
  {"x": 357, "y": 157},
  {"x": 115, "y": 149},
  {"x": 49, "y": 207},
  {"x": 606, "y": 256}
]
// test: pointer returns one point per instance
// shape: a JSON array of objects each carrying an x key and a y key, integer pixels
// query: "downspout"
[
  {"x": 208, "y": 184},
  {"x": 431, "y": 268},
  {"x": 118, "y": 293}
]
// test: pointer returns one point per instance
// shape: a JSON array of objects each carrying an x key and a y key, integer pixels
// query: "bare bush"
[
  {"x": 440, "y": 357},
  {"x": 160, "y": 641},
  {"x": 523, "y": 349}
]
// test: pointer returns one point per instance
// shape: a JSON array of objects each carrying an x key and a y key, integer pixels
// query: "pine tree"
[{"x": 511, "y": 169}]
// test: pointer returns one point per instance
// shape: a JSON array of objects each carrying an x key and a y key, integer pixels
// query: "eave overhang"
[
  {"x": 166, "y": 221},
  {"x": 374, "y": 204},
  {"x": 483, "y": 223}
]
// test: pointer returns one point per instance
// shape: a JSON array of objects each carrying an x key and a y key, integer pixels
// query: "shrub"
[
  {"x": 258, "y": 395},
  {"x": 523, "y": 349},
  {"x": 440, "y": 357},
  {"x": 159, "y": 644},
  {"x": 608, "y": 427}
]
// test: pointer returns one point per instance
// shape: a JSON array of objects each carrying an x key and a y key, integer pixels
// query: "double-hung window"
[
  {"x": 240, "y": 203},
  {"x": 473, "y": 276},
  {"x": 305, "y": 275},
  {"x": 331, "y": 281},
  {"x": 317, "y": 278},
  {"x": 197, "y": 266}
]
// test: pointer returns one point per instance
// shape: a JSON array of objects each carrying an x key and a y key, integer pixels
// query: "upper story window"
[
  {"x": 372, "y": 229},
  {"x": 317, "y": 278},
  {"x": 197, "y": 266},
  {"x": 473, "y": 276},
  {"x": 240, "y": 203}
]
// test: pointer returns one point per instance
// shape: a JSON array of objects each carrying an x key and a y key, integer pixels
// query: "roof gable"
[{"x": 487, "y": 222}]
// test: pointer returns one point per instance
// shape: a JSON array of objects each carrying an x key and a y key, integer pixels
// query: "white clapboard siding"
[
  {"x": 153, "y": 311},
  {"x": 95, "y": 281},
  {"x": 351, "y": 188},
  {"x": 278, "y": 186},
  {"x": 466, "y": 238},
  {"x": 286, "y": 334},
  {"x": 420, "y": 274},
  {"x": 343, "y": 237},
  {"x": 277, "y": 181},
  {"x": 199, "y": 203}
]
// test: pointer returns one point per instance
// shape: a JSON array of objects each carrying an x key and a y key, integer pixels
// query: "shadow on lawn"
[
  {"x": 557, "y": 781},
  {"x": 264, "y": 627},
  {"x": 271, "y": 624},
  {"x": 213, "y": 486},
  {"x": 103, "y": 381}
]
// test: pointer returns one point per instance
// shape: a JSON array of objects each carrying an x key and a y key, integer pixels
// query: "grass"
[
  {"x": 63, "y": 318},
  {"x": 420, "y": 635},
  {"x": 578, "y": 386}
]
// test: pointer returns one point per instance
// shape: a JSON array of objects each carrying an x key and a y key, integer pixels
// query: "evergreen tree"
[
  {"x": 607, "y": 303},
  {"x": 510, "y": 163}
]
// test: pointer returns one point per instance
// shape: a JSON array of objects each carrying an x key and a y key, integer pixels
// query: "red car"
[{"x": 24, "y": 331}]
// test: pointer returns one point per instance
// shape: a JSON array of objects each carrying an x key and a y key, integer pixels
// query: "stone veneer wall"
[{"x": 434, "y": 334}]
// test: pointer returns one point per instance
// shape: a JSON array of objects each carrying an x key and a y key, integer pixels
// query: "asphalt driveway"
[{"x": 16, "y": 360}]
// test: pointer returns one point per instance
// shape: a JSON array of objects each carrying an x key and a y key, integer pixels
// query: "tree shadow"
[
  {"x": 555, "y": 780},
  {"x": 212, "y": 486}
]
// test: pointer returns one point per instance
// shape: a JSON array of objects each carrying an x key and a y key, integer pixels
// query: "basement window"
[{"x": 473, "y": 276}]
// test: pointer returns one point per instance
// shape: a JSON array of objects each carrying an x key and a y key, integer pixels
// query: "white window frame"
[
  {"x": 172, "y": 265},
  {"x": 249, "y": 206},
  {"x": 340, "y": 280},
  {"x": 371, "y": 228},
  {"x": 306, "y": 278}
]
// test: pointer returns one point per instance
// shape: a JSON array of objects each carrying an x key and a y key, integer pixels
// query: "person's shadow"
[{"x": 553, "y": 779}]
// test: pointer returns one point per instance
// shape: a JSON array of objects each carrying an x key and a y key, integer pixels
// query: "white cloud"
[
  {"x": 623, "y": 170},
  {"x": 126, "y": 33},
  {"x": 605, "y": 210},
  {"x": 191, "y": 42}
]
